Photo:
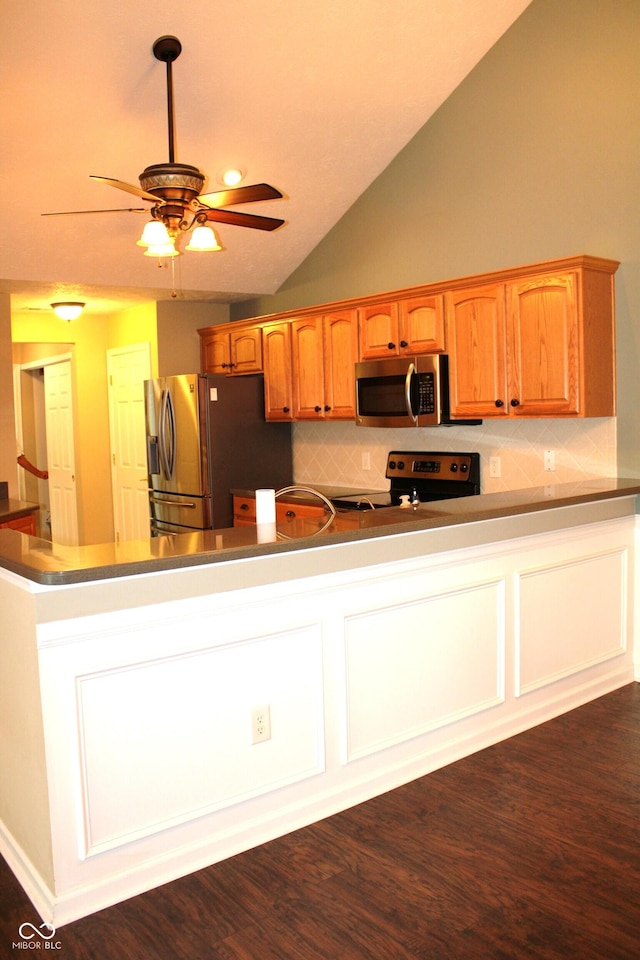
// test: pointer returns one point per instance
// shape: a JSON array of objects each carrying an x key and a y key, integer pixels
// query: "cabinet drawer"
[
  {"x": 288, "y": 509},
  {"x": 244, "y": 510}
]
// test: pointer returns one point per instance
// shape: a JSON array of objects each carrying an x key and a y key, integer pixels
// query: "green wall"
[{"x": 536, "y": 155}]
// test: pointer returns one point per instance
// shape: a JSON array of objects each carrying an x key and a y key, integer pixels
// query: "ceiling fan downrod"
[{"x": 167, "y": 49}]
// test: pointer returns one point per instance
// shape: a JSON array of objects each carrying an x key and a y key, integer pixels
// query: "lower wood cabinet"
[
  {"x": 244, "y": 510},
  {"x": 25, "y": 524}
]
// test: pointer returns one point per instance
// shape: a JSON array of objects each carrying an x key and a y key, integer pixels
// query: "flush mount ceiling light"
[
  {"x": 70, "y": 310},
  {"x": 231, "y": 178},
  {"x": 174, "y": 190}
]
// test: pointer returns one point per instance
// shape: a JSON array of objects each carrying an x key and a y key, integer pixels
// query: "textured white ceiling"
[{"x": 315, "y": 98}]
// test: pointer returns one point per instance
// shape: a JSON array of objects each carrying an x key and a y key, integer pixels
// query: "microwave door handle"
[{"x": 407, "y": 393}]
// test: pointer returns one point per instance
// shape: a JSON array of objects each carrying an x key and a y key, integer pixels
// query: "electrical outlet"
[
  {"x": 366, "y": 460},
  {"x": 260, "y": 724},
  {"x": 495, "y": 467},
  {"x": 550, "y": 460}
]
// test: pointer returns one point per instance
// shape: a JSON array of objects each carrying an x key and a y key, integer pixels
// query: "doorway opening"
[{"x": 45, "y": 432}]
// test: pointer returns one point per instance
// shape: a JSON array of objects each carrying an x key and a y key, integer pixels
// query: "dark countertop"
[
  {"x": 45, "y": 563},
  {"x": 12, "y": 509}
]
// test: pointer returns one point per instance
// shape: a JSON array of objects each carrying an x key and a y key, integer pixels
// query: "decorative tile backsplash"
[{"x": 332, "y": 453}]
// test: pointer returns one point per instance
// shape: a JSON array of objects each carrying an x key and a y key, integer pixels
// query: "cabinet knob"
[
  {"x": 391, "y": 346},
  {"x": 244, "y": 506},
  {"x": 327, "y": 408},
  {"x": 290, "y": 513},
  {"x": 515, "y": 403},
  {"x": 317, "y": 409},
  {"x": 499, "y": 403},
  {"x": 224, "y": 365},
  {"x": 403, "y": 344},
  {"x": 285, "y": 409}
]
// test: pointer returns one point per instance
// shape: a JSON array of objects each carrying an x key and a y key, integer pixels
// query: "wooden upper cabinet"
[
  {"x": 340, "y": 340},
  {"x": 544, "y": 346},
  {"x": 278, "y": 387},
  {"x": 476, "y": 339},
  {"x": 421, "y": 323},
  {"x": 308, "y": 369},
  {"x": 539, "y": 346},
  {"x": 231, "y": 349},
  {"x": 532, "y": 341},
  {"x": 378, "y": 331},
  {"x": 324, "y": 351},
  {"x": 414, "y": 325},
  {"x": 246, "y": 350},
  {"x": 214, "y": 351}
]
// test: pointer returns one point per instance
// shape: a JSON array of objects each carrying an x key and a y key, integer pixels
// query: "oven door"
[{"x": 403, "y": 392}]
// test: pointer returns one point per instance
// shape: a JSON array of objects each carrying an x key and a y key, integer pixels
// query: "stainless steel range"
[{"x": 422, "y": 477}]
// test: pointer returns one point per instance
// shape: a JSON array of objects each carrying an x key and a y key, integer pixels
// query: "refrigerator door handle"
[
  {"x": 171, "y": 423},
  {"x": 161, "y": 441},
  {"x": 166, "y": 437},
  {"x": 175, "y": 503}
]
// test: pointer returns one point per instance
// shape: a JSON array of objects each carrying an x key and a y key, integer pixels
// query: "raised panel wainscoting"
[{"x": 374, "y": 674}]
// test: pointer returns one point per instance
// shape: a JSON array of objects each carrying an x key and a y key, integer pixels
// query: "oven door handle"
[{"x": 407, "y": 392}]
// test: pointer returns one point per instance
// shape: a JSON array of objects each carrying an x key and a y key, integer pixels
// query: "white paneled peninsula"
[{"x": 393, "y": 643}]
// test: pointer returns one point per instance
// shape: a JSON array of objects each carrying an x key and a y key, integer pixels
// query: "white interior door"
[
  {"x": 58, "y": 394},
  {"x": 128, "y": 368}
]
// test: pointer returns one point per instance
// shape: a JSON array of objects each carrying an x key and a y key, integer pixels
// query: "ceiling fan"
[{"x": 174, "y": 188}]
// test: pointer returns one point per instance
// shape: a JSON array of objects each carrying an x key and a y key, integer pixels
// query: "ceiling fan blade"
[
  {"x": 128, "y": 187},
  {"x": 243, "y": 219},
  {"x": 73, "y": 213},
  {"x": 249, "y": 194}
]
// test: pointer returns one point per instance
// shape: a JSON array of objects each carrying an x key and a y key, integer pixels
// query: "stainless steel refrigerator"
[{"x": 207, "y": 435}]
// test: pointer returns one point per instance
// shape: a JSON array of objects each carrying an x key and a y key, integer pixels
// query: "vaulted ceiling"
[{"x": 314, "y": 98}]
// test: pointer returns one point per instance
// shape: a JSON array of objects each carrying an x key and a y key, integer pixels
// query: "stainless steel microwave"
[{"x": 404, "y": 392}]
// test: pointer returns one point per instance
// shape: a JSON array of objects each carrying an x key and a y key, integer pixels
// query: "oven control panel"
[{"x": 411, "y": 465}]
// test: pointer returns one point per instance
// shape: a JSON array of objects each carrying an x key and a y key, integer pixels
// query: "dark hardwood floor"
[{"x": 530, "y": 849}]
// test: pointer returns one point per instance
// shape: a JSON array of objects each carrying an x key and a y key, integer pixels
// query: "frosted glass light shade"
[
  {"x": 161, "y": 250},
  {"x": 203, "y": 239},
  {"x": 154, "y": 234},
  {"x": 68, "y": 311}
]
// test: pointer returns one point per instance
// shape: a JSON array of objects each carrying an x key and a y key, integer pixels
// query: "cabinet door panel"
[
  {"x": 340, "y": 355},
  {"x": 308, "y": 372},
  {"x": 544, "y": 355},
  {"x": 378, "y": 327},
  {"x": 476, "y": 339},
  {"x": 246, "y": 351},
  {"x": 422, "y": 325},
  {"x": 214, "y": 353},
  {"x": 277, "y": 371}
]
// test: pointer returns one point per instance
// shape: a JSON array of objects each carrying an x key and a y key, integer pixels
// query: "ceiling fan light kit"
[
  {"x": 174, "y": 190},
  {"x": 162, "y": 250},
  {"x": 70, "y": 310},
  {"x": 203, "y": 239},
  {"x": 154, "y": 233}
]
